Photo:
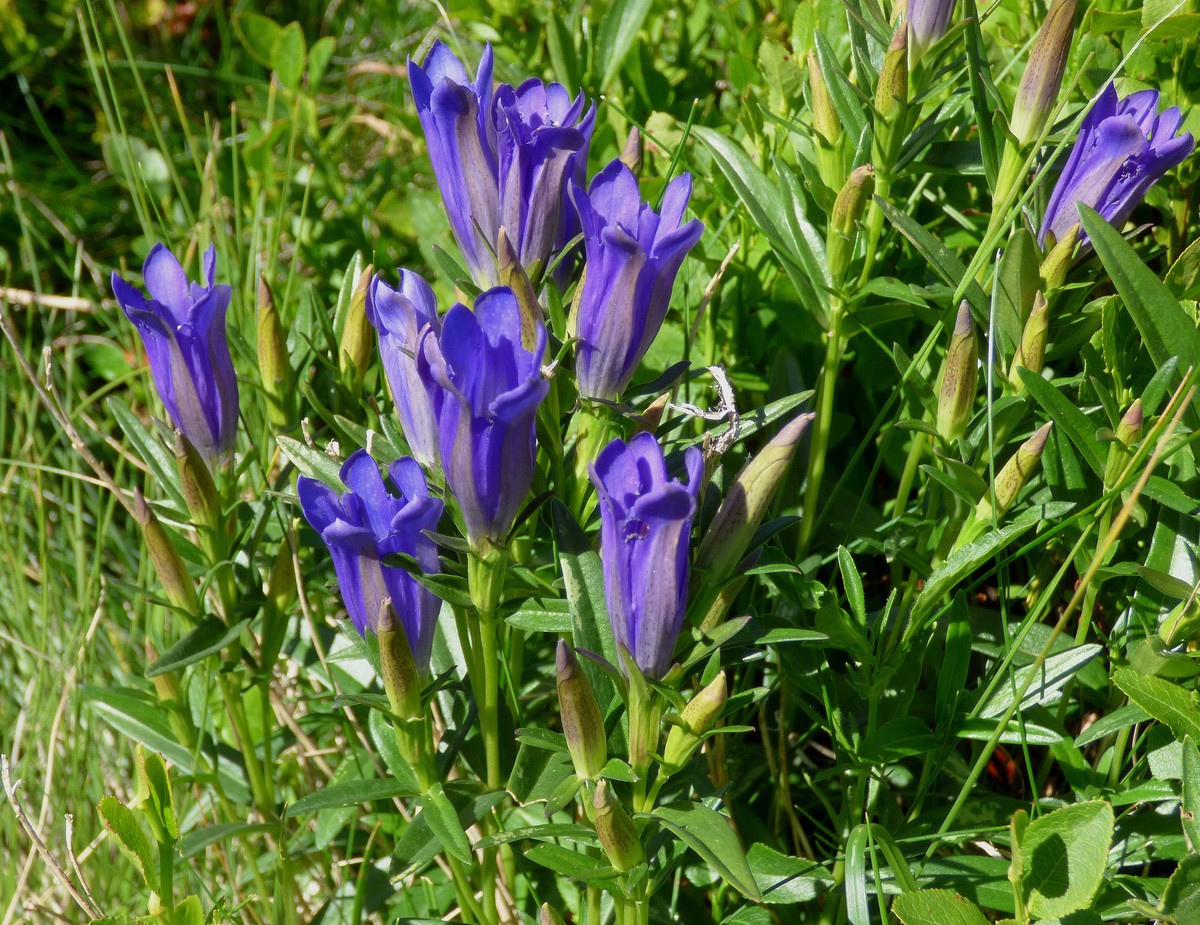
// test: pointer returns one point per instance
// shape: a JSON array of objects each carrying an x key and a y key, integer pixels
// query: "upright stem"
[{"x": 834, "y": 346}]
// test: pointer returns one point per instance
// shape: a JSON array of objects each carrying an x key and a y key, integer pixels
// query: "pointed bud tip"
[
  {"x": 1037, "y": 442},
  {"x": 963, "y": 321}
]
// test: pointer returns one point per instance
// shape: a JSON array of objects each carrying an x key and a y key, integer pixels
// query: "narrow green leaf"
[
  {"x": 194, "y": 842},
  {"x": 151, "y": 450},
  {"x": 208, "y": 638},
  {"x": 442, "y": 819},
  {"x": 940, "y": 257},
  {"x": 1181, "y": 898},
  {"x": 852, "y": 582},
  {"x": 782, "y": 879},
  {"x": 1166, "y": 329},
  {"x": 351, "y": 793},
  {"x": 127, "y": 828},
  {"x": 583, "y": 579},
  {"x": 312, "y": 462},
  {"x": 570, "y": 863},
  {"x": 959, "y": 566},
  {"x": 1168, "y": 703},
  {"x": 858, "y": 904},
  {"x": 708, "y": 833},
  {"x": 1067, "y": 416},
  {"x": 1191, "y": 793},
  {"x": 1048, "y": 679},
  {"x": 618, "y": 30}
]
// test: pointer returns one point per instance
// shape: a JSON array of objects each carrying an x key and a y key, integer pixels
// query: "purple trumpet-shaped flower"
[
  {"x": 1124, "y": 147},
  {"x": 489, "y": 387},
  {"x": 928, "y": 21},
  {"x": 368, "y": 523},
  {"x": 645, "y": 522},
  {"x": 543, "y": 138},
  {"x": 633, "y": 256},
  {"x": 500, "y": 160},
  {"x": 182, "y": 325},
  {"x": 400, "y": 315},
  {"x": 456, "y": 117}
]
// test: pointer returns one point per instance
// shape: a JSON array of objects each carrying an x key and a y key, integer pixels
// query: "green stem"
[
  {"x": 834, "y": 347},
  {"x": 237, "y": 715}
]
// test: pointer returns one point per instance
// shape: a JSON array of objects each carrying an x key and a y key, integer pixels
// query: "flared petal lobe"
[
  {"x": 645, "y": 526},
  {"x": 1124, "y": 147},
  {"x": 633, "y": 256},
  {"x": 182, "y": 325},
  {"x": 489, "y": 388},
  {"x": 367, "y": 523}
]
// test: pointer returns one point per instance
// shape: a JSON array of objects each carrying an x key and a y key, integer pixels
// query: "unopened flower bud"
[
  {"x": 891, "y": 92},
  {"x": 843, "y": 223},
  {"x": 698, "y": 717},
  {"x": 631, "y": 154},
  {"x": 1012, "y": 478},
  {"x": 176, "y": 582},
  {"x": 616, "y": 831},
  {"x": 960, "y": 374},
  {"x": 1059, "y": 259},
  {"x": 547, "y": 916},
  {"x": 1042, "y": 80},
  {"x": 199, "y": 490},
  {"x": 745, "y": 504},
  {"x": 651, "y": 416},
  {"x": 827, "y": 126},
  {"x": 513, "y": 275},
  {"x": 274, "y": 366},
  {"x": 358, "y": 337},
  {"x": 1129, "y": 431},
  {"x": 1031, "y": 352},
  {"x": 928, "y": 21},
  {"x": 582, "y": 723},
  {"x": 401, "y": 682},
  {"x": 820, "y": 103}
]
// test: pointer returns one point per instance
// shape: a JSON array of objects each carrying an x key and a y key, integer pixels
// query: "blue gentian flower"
[
  {"x": 399, "y": 316},
  {"x": 645, "y": 525},
  {"x": 488, "y": 387},
  {"x": 1124, "y": 147},
  {"x": 633, "y": 255},
  {"x": 363, "y": 526},
  {"x": 182, "y": 325}
]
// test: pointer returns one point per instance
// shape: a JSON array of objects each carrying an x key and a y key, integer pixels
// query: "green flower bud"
[
  {"x": 582, "y": 723},
  {"x": 513, "y": 275},
  {"x": 827, "y": 127},
  {"x": 891, "y": 93},
  {"x": 176, "y": 582},
  {"x": 745, "y": 504},
  {"x": 274, "y": 366},
  {"x": 631, "y": 154},
  {"x": 960, "y": 374},
  {"x": 1059, "y": 259},
  {"x": 1042, "y": 80},
  {"x": 358, "y": 337},
  {"x": 199, "y": 490},
  {"x": 1012, "y": 478},
  {"x": 1031, "y": 352},
  {"x": 1129, "y": 431},
  {"x": 616, "y": 831},
  {"x": 843, "y": 223},
  {"x": 698, "y": 717},
  {"x": 400, "y": 680}
]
